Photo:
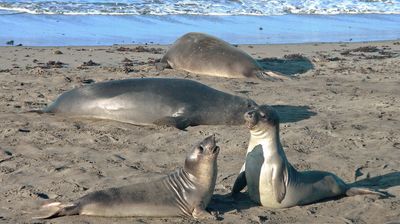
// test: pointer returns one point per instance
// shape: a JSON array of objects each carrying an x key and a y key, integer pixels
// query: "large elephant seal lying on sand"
[
  {"x": 271, "y": 180},
  {"x": 185, "y": 192},
  {"x": 207, "y": 55},
  {"x": 144, "y": 101}
]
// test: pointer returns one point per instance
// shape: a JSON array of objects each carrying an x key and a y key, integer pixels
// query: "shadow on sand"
[
  {"x": 288, "y": 65},
  {"x": 381, "y": 182},
  {"x": 224, "y": 203},
  {"x": 288, "y": 113}
]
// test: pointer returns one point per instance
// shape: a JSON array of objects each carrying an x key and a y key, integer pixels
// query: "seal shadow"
[
  {"x": 288, "y": 65},
  {"x": 227, "y": 204},
  {"x": 241, "y": 201},
  {"x": 289, "y": 113},
  {"x": 381, "y": 182}
]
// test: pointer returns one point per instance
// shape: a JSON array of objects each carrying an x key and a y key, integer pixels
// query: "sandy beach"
[{"x": 350, "y": 92}]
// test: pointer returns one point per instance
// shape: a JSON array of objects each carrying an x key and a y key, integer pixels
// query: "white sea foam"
[{"x": 201, "y": 7}]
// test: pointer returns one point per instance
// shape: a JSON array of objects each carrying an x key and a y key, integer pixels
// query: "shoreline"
[
  {"x": 150, "y": 45},
  {"x": 65, "y": 30}
]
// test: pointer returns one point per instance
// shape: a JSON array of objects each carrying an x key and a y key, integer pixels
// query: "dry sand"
[{"x": 354, "y": 93}]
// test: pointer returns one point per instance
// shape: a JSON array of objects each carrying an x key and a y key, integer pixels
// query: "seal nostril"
[
  {"x": 216, "y": 148},
  {"x": 201, "y": 149},
  {"x": 250, "y": 114}
]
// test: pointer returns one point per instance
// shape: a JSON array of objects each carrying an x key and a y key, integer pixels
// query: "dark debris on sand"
[
  {"x": 142, "y": 49},
  {"x": 87, "y": 64},
  {"x": 90, "y": 63},
  {"x": 294, "y": 57},
  {"x": 5, "y": 70},
  {"x": 369, "y": 52},
  {"x": 50, "y": 64},
  {"x": 57, "y": 52},
  {"x": 126, "y": 60},
  {"x": 88, "y": 81},
  {"x": 55, "y": 64}
]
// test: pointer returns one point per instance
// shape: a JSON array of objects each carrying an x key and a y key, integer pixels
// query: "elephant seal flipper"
[
  {"x": 279, "y": 180},
  {"x": 352, "y": 191},
  {"x": 201, "y": 213},
  {"x": 240, "y": 183},
  {"x": 180, "y": 123},
  {"x": 270, "y": 76},
  {"x": 55, "y": 209}
]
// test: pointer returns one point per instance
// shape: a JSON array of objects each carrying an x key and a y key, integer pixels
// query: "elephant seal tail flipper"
[
  {"x": 49, "y": 109},
  {"x": 270, "y": 76},
  {"x": 56, "y": 209},
  {"x": 352, "y": 191}
]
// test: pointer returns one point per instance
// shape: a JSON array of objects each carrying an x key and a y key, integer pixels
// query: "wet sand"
[
  {"x": 349, "y": 92},
  {"x": 81, "y": 30}
]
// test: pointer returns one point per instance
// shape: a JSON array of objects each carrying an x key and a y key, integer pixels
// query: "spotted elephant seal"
[
  {"x": 271, "y": 180},
  {"x": 185, "y": 192},
  {"x": 144, "y": 101},
  {"x": 207, "y": 55}
]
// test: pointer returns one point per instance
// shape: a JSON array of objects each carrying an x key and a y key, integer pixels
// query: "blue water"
[
  {"x": 62, "y": 30},
  {"x": 201, "y": 7},
  {"x": 106, "y": 22}
]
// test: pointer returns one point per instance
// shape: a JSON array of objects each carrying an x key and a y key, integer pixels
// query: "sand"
[{"x": 350, "y": 92}]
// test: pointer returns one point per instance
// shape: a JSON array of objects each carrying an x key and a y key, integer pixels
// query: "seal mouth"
[
  {"x": 250, "y": 125},
  {"x": 251, "y": 118}
]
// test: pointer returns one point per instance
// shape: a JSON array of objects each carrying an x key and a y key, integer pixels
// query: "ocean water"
[
  {"x": 106, "y": 22},
  {"x": 201, "y": 7}
]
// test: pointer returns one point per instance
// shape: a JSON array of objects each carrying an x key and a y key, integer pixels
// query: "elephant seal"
[
  {"x": 271, "y": 180},
  {"x": 185, "y": 192},
  {"x": 144, "y": 101},
  {"x": 207, "y": 55}
]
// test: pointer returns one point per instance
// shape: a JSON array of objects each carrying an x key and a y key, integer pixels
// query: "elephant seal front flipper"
[
  {"x": 180, "y": 123},
  {"x": 240, "y": 182},
  {"x": 272, "y": 181},
  {"x": 185, "y": 192}
]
